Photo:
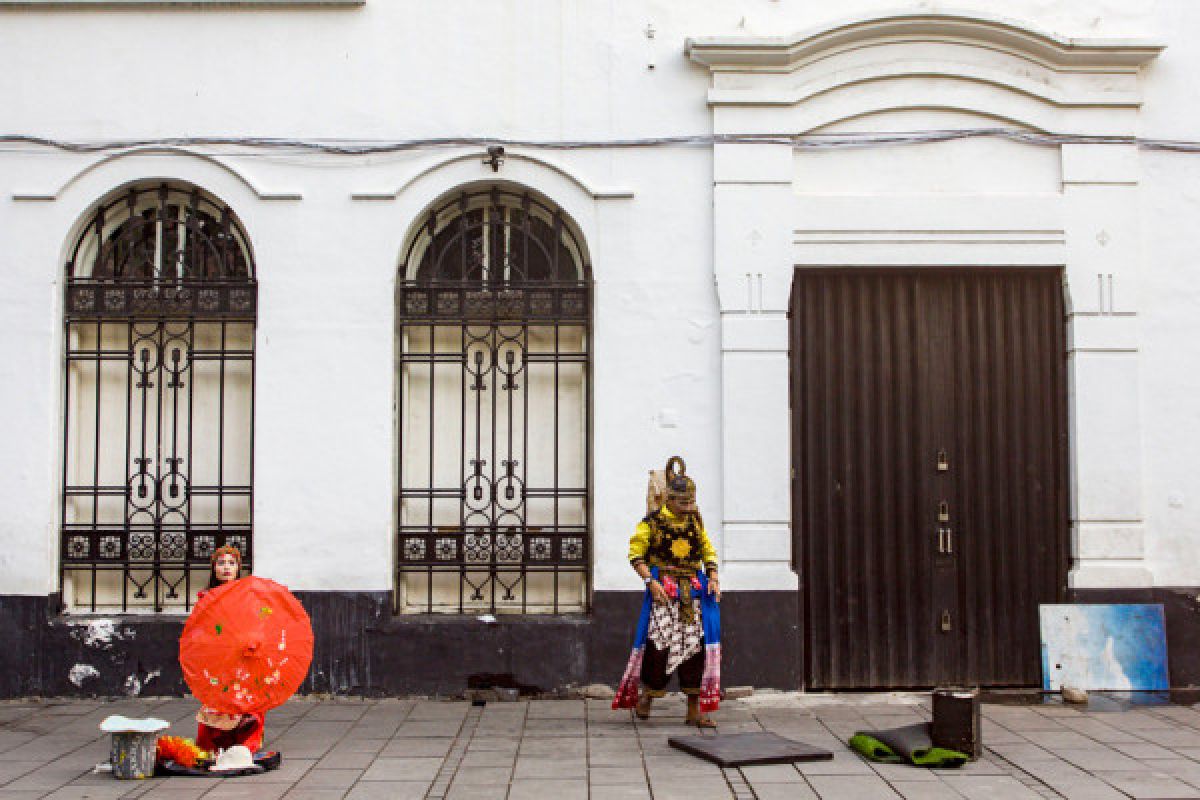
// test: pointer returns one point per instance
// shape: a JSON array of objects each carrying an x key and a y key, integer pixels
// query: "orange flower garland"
[{"x": 181, "y": 750}]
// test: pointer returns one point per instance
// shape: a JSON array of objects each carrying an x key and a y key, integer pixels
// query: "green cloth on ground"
[{"x": 875, "y": 750}]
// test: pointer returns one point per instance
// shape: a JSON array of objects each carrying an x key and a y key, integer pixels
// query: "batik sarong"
[{"x": 710, "y": 619}]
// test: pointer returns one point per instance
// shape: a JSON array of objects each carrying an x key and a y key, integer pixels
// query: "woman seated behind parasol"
[{"x": 216, "y": 730}]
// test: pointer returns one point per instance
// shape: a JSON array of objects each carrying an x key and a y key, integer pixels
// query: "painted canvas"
[{"x": 1104, "y": 647}]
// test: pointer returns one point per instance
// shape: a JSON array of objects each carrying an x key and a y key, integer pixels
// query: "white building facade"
[{"x": 905, "y": 286}]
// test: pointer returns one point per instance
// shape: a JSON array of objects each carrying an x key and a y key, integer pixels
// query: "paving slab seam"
[
  {"x": 407, "y": 713},
  {"x": 637, "y": 733},
  {"x": 453, "y": 759},
  {"x": 741, "y": 788},
  {"x": 1014, "y": 771}
]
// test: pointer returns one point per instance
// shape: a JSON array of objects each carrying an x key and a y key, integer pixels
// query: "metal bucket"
[{"x": 133, "y": 755}]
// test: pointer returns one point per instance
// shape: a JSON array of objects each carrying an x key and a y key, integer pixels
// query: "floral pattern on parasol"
[{"x": 246, "y": 647}]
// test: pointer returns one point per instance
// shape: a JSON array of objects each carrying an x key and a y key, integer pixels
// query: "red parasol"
[{"x": 246, "y": 646}]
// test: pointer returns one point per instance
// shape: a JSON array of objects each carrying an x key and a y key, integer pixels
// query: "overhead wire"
[{"x": 808, "y": 141}]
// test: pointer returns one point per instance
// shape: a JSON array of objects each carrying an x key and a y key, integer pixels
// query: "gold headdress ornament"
[{"x": 680, "y": 487}]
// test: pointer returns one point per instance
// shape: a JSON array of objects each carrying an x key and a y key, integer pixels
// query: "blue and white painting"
[{"x": 1104, "y": 647}]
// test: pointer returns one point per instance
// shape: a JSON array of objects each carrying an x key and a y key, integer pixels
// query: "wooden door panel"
[{"x": 888, "y": 368}]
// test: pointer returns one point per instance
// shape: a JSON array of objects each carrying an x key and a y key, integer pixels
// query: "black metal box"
[{"x": 957, "y": 721}]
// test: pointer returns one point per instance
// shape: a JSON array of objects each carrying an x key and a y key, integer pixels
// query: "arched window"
[
  {"x": 494, "y": 328},
  {"x": 159, "y": 317}
]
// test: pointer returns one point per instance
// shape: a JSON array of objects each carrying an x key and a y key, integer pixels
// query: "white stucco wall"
[{"x": 688, "y": 356}]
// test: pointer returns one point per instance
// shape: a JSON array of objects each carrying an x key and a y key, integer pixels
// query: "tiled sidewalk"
[{"x": 577, "y": 749}]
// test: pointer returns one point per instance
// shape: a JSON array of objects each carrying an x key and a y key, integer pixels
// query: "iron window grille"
[
  {"x": 494, "y": 392},
  {"x": 159, "y": 315}
]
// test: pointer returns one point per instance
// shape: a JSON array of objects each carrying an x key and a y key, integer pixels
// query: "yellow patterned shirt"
[{"x": 663, "y": 539}]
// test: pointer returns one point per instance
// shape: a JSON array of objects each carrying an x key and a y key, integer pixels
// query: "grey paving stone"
[
  {"x": 555, "y": 727},
  {"x": 549, "y": 766},
  {"x": 925, "y": 790},
  {"x": 548, "y": 790},
  {"x": 290, "y": 771},
  {"x": 1087, "y": 787},
  {"x": 622, "y": 792},
  {"x": 10, "y": 738},
  {"x": 417, "y": 748},
  {"x": 851, "y": 787},
  {"x": 437, "y": 710},
  {"x": 178, "y": 791},
  {"x": 11, "y": 770},
  {"x": 994, "y": 733},
  {"x": 633, "y": 774},
  {"x": 488, "y": 759},
  {"x": 482, "y": 776},
  {"x": 1056, "y": 739},
  {"x": 491, "y": 745},
  {"x": 556, "y": 709},
  {"x": 906, "y": 773},
  {"x": 429, "y": 728},
  {"x": 1099, "y": 730},
  {"x": 359, "y": 761},
  {"x": 1098, "y": 758},
  {"x": 329, "y": 779},
  {"x": 349, "y": 745},
  {"x": 1142, "y": 750},
  {"x": 388, "y": 790},
  {"x": 337, "y": 712},
  {"x": 315, "y": 794},
  {"x": 1184, "y": 769},
  {"x": 557, "y": 747},
  {"x": 842, "y": 764},
  {"x": 246, "y": 789},
  {"x": 110, "y": 791},
  {"x": 682, "y": 788},
  {"x": 987, "y": 787},
  {"x": 1138, "y": 721},
  {"x": 1172, "y": 737},
  {"x": 478, "y": 792},
  {"x": 784, "y": 791},
  {"x": 46, "y": 778},
  {"x": 1149, "y": 785},
  {"x": 403, "y": 769},
  {"x": 771, "y": 773}
]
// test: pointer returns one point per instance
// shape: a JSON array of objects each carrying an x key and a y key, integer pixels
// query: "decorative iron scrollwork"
[{"x": 493, "y": 302}]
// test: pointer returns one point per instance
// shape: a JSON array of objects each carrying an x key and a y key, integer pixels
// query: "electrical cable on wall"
[{"x": 811, "y": 141}]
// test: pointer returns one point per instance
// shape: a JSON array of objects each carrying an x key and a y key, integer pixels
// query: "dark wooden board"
[{"x": 745, "y": 749}]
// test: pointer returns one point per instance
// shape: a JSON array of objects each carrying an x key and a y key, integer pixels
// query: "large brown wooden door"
[{"x": 930, "y": 472}]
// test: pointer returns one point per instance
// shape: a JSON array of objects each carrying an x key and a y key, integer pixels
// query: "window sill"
[{"x": 399, "y": 622}]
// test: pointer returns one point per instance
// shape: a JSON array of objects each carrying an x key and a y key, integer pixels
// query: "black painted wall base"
[{"x": 362, "y": 649}]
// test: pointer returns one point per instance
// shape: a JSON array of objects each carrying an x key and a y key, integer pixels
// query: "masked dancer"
[{"x": 679, "y": 630}]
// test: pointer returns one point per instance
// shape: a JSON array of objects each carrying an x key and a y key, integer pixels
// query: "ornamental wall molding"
[
  {"x": 947, "y": 55},
  {"x": 52, "y": 194},
  {"x": 788, "y": 53},
  {"x": 510, "y": 155}
]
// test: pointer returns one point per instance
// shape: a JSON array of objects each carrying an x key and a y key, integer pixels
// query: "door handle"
[{"x": 946, "y": 540}]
